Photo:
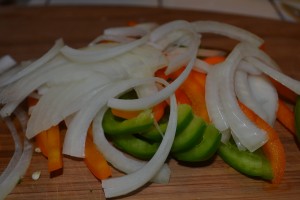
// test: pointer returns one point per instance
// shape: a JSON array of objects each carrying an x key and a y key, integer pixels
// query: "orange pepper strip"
[
  {"x": 286, "y": 116},
  {"x": 41, "y": 142},
  {"x": 125, "y": 114},
  {"x": 214, "y": 59},
  {"x": 41, "y": 138},
  {"x": 273, "y": 149},
  {"x": 95, "y": 161},
  {"x": 196, "y": 93},
  {"x": 55, "y": 157},
  {"x": 181, "y": 97},
  {"x": 159, "y": 110},
  {"x": 284, "y": 92}
]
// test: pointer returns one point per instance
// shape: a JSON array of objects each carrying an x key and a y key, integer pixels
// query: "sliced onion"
[
  {"x": 133, "y": 31},
  {"x": 247, "y": 133},
  {"x": 123, "y": 185},
  {"x": 62, "y": 101},
  {"x": 213, "y": 102},
  {"x": 143, "y": 103},
  {"x": 266, "y": 95},
  {"x": 117, "y": 158},
  {"x": 20, "y": 168},
  {"x": 88, "y": 56},
  {"x": 245, "y": 95},
  {"x": 287, "y": 81},
  {"x": 227, "y": 30},
  {"x": 4, "y": 80},
  {"x": 17, "y": 152},
  {"x": 75, "y": 136},
  {"x": 6, "y": 62}
]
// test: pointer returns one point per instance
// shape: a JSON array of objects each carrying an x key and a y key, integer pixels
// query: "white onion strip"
[
  {"x": 75, "y": 136},
  {"x": 213, "y": 102},
  {"x": 287, "y": 81},
  {"x": 17, "y": 152},
  {"x": 246, "y": 132},
  {"x": 227, "y": 30},
  {"x": 146, "y": 102},
  {"x": 245, "y": 95},
  {"x": 23, "y": 163},
  {"x": 123, "y": 185},
  {"x": 4, "y": 80},
  {"x": 89, "y": 56},
  {"x": 266, "y": 95},
  {"x": 6, "y": 62},
  {"x": 117, "y": 158}
]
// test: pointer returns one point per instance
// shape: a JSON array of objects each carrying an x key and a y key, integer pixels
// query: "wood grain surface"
[{"x": 28, "y": 32}]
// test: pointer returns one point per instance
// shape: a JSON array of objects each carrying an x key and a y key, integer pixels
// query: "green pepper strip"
[
  {"x": 250, "y": 164},
  {"x": 190, "y": 136},
  {"x": 206, "y": 148},
  {"x": 135, "y": 146},
  {"x": 297, "y": 118},
  {"x": 185, "y": 115},
  {"x": 112, "y": 126}
]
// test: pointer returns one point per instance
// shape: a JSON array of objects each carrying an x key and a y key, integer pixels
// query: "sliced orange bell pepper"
[
  {"x": 286, "y": 117},
  {"x": 55, "y": 157},
  {"x": 273, "y": 149},
  {"x": 95, "y": 161},
  {"x": 41, "y": 142}
]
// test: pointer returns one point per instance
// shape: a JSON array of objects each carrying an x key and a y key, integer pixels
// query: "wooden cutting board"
[{"x": 27, "y": 33}]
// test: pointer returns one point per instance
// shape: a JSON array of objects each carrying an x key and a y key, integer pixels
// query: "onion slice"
[{"x": 122, "y": 185}]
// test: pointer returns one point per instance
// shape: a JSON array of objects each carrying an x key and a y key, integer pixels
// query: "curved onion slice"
[
  {"x": 146, "y": 102},
  {"x": 133, "y": 31},
  {"x": 4, "y": 80},
  {"x": 213, "y": 102},
  {"x": 227, "y": 30},
  {"x": 287, "y": 81},
  {"x": 245, "y": 95},
  {"x": 245, "y": 131},
  {"x": 17, "y": 153},
  {"x": 16, "y": 173},
  {"x": 75, "y": 136},
  {"x": 266, "y": 95},
  {"x": 122, "y": 185},
  {"x": 6, "y": 62},
  {"x": 117, "y": 158},
  {"x": 88, "y": 56}
]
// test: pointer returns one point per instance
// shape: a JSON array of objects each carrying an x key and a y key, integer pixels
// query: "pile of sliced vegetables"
[{"x": 153, "y": 92}]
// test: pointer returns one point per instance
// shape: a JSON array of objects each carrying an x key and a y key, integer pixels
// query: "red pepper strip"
[
  {"x": 286, "y": 116},
  {"x": 273, "y": 149},
  {"x": 95, "y": 161},
  {"x": 55, "y": 157},
  {"x": 284, "y": 92}
]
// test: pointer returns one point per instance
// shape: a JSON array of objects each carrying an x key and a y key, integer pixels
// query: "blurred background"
[{"x": 287, "y": 10}]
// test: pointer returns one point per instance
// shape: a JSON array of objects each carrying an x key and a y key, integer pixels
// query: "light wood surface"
[{"x": 27, "y": 33}]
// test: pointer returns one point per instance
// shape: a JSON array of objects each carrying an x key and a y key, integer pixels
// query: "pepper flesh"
[
  {"x": 206, "y": 148},
  {"x": 248, "y": 163}
]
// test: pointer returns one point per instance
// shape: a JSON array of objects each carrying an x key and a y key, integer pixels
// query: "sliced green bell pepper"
[
  {"x": 135, "y": 146},
  {"x": 189, "y": 136},
  {"x": 248, "y": 163},
  {"x": 112, "y": 126},
  {"x": 185, "y": 115},
  {"x": 205, "y": 149},
  {"x": 297, "y": 118}
]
